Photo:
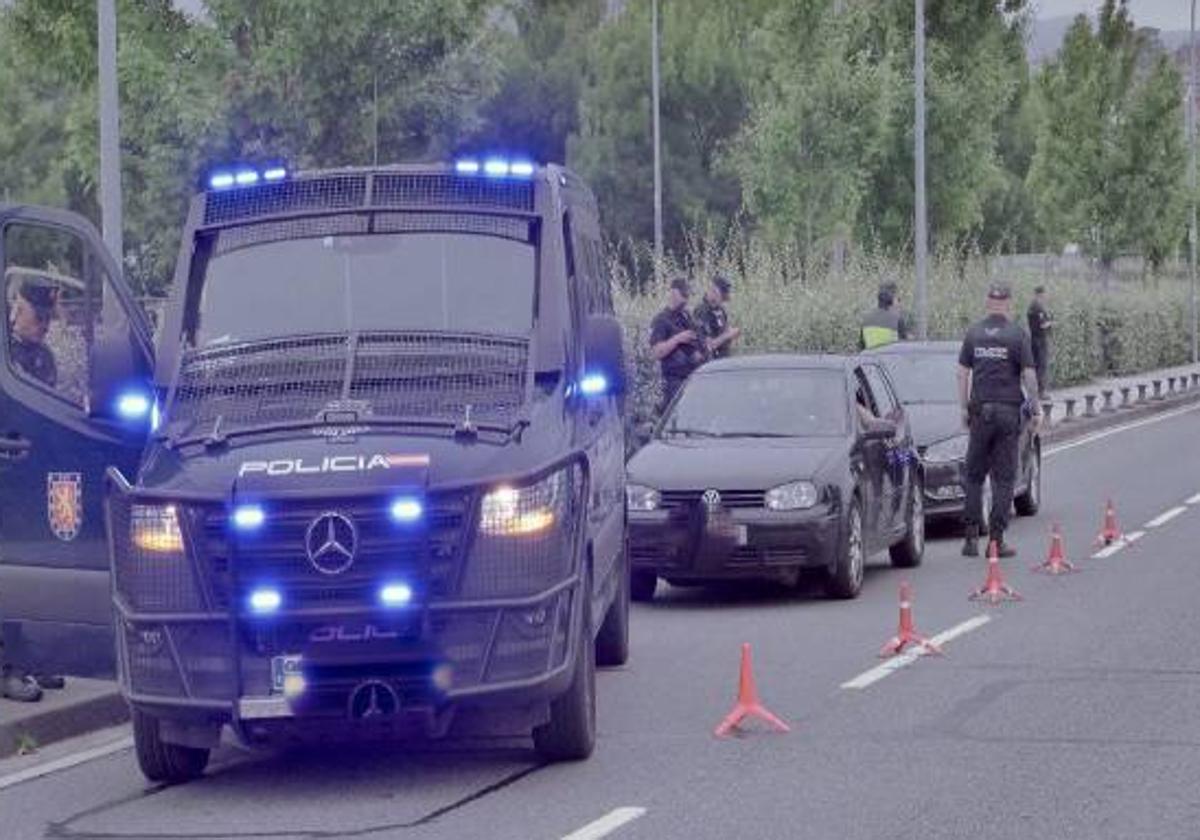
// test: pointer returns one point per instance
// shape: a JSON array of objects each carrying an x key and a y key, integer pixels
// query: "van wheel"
[
  {"x": 846, "y": 579},
  {"x": 642, "y": 585},
  {"x": 612, "y": 642},
  {"x": 570, "y": 735},
  {"x": 909, "y": 552},
  {"x": 171, "y": 764}
]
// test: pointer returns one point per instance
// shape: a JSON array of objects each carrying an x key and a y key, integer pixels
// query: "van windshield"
[{"x": 428, "y": 282}]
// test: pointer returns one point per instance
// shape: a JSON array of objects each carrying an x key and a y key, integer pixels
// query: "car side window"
[
  {"x": 864, "y": 401},
  {"x": 885, "y": 403},
  {"x": 58, "y": 302}
]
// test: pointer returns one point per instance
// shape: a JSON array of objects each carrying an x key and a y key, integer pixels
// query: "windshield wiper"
[{"x": 754, "y": 435}]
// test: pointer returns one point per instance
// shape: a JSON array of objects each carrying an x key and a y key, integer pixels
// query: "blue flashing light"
[
  {"x": 248, "y": 517},
  {"x": 495, "y": 168},
  {"x": 594, "y": 385},
  {"x": 221, "y": 181},
  {"x": 155, "y": 417},
  {"x": 521, "y": 168},
  {"x": 265, "y": 601},
  {"x": 133, "y": 405},
  {"x": 246, "y": 178},
  {"x": 395, "y": 594},
  {"x": 467, "y": 167},
  {"x": 407, "y": 509},
  {"x": 275, "y": 173}
]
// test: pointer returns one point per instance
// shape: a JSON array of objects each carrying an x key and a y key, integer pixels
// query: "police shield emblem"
[{"x": 64, "y": 504}]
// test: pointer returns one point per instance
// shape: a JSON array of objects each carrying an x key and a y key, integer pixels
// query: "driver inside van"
[{"x": 33, "y": 308}]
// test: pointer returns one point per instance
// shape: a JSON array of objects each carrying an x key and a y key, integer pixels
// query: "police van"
[{"x": 369, "y": 479}]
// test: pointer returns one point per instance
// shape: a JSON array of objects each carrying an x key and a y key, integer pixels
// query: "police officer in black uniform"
[
  {"x": 675, "y": 341},
  {"x": 995, "y": 361},
  {"x": 712, "y": 319},
  {"x": 1040, "y": 327},
  {"x": 32, "y": 311}
]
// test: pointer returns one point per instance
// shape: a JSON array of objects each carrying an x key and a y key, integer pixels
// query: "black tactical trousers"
[
  {"x": 671, "y": 386},
  {"x": 1041, "y": 362},
  {"x": 995, "y": 432}
]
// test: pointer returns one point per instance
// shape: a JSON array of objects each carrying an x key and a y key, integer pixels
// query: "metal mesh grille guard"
[
  {"x": 363, "y": 191},
  {"x": 400, "y": 375}
]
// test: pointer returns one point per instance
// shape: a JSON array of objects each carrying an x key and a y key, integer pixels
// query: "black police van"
[{"x": 369, "y": 480}]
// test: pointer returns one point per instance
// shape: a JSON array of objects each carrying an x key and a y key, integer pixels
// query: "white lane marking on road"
[
  {"x": 1116, "y": 430},
  {"x": 1165, "y": 517},
  {"x": 1195, "y": 500},
  {"x": 607, "y": 824},
  {"x": 1126, "y": 541},
  {"x": 897, "y": 662},
  {"x": 64, "y": 763}
]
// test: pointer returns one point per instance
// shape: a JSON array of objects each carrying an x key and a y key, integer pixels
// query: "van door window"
[{"x": 58, "y": 303}]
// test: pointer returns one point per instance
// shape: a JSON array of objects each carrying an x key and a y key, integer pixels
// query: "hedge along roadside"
[{"x": 1126, "y": 330}]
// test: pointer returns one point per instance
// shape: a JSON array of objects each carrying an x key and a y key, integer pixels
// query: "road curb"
[
  {"x": 1064, "y": 431},
  {"x": 38, "y": 724}
]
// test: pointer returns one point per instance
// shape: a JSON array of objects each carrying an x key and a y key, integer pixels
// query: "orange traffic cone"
[
  {"x": 1056, "y": 562},
  {"x": 1110, "y": 532},
  {"x": 994, "y": 589},
  {"x": 748, "y": 703},
  {"x": 907, "y": 634}
]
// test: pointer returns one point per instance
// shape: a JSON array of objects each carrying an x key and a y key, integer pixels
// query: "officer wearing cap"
[
  {"x": 1040, "y": 327},
  {"x": 995, "y": 361},
  {"x": 32, "y": 311},
  {"x": 712, "y": 320},
  {"x": 883, "y": 325},
  {"x": 675, "y": 342}
]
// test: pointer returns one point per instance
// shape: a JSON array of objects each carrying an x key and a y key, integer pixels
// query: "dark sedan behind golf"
[
  {"x": 925, "y": 377},
  {"x": 767, "y": 465}
]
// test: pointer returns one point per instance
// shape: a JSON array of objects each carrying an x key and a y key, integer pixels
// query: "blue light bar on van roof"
[
  {"x": 245, "y": 176},
  {"x": 495, "y": 167}
]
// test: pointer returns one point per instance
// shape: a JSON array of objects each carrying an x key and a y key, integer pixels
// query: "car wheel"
[
  {"x": 1028, "y": 503},
  {"x": 612, "y": 642},
  {"x": 909, "y": 552},
  {"x": 170, "y": 764},
  {"x": 570, "y": 734},
  {"x": 846, "y": 579},
  {"x": 642, "y": 585}
]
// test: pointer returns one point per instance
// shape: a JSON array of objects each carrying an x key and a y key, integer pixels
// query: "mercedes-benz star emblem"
[
  {"x": 711, "y": 499},
  {"x": 373, "y": 699},
  {"x": 331, "y": 543}
]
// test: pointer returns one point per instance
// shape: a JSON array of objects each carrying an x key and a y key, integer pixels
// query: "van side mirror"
[
  {"x": 120, "y": 384},
  {"x": 604, "y": 357}
]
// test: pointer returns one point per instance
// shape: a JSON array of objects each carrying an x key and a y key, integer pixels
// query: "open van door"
[{"x": 75, "y": 398}]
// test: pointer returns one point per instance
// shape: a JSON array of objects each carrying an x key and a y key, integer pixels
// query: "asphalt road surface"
[{"x": 1073, "y": 714}]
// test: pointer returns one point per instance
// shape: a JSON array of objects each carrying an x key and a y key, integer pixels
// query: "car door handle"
[{"x": 14, "y": 448}]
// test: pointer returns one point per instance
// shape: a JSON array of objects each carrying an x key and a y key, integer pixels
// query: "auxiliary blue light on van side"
[
  {"x": 520, "y": 168},
  {"x": 265, "y": 601},
  {"x": 467, "y": 167},
  {"x": 248, "y": 517},
  {"x": 133, "y": 405},
  {"x": 275, "y": 173},
  {"x": 221, "y": 180},
  {"x": 594, "y": 385},
  {"x": 495, "y": 167},
  {"x": 395, "y": 594},
  {"x": 406, "y": 509}
]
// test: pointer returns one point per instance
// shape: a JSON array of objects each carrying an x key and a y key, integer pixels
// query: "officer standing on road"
[
  {"x": 883, "y": 325},
  {"x": 1040, "y": 326},
  {"x": 675, "y": 342},
  {"x": 713, "y": 321},
  {"x": 995, "y": 361}
]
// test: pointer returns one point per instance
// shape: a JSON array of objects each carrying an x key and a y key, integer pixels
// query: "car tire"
[
  {"x": 642, "y": 585},
  {"x": 1029, "y": 502},
  {"x": 612, "y": 642},
  {"x": 570, "y": 734},
  {"x": 846, "y": 579},
  {"x": 909, "y": 552},
  {"x": 171, "y": 764}
]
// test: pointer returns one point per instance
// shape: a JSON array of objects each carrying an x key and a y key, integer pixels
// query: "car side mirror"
[
  {"x": 880, "y": 430},
  {"x": 604, "y": 357},
  {"x": 120, "y": 383}
]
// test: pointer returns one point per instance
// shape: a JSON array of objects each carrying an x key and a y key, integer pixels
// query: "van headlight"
[
  {"x": 524, "y": 511},
  {"x": 641, "y": 499},
  {"x": 155, "y": 529},
  {"x": 798, "y": 495},
  {"x": 947, "y": 451}
]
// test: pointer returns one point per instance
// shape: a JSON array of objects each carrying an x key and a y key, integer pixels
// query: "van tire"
[
  {"x": 612, "y": 642},
  {"x": 570, "y": 734},
  {"x": 170, "y": 764}
]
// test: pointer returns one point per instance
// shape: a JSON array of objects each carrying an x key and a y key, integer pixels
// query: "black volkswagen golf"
[{"x": 767, "y": 465}]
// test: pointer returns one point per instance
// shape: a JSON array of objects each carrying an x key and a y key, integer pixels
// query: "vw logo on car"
[
  {"x": 711, "y": 499},
  {"x": 331, "y": 543}
]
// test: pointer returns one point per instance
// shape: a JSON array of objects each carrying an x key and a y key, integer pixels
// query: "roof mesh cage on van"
[{"x": 380, "y": 191}]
